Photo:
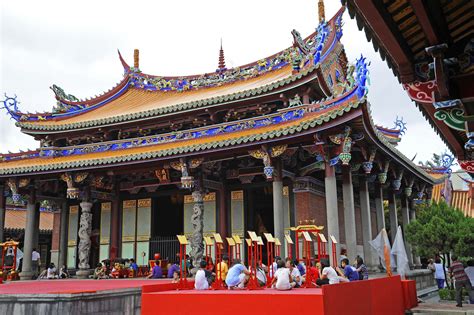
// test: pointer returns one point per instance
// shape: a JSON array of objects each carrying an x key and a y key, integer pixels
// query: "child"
[
  {"x": 282, "y": 279},
  {"x": 222, "y": 268},
  {"x": 348, "y": 273},
  {"x": 63, "y": 273},
  {"x": 201, "y": 282},
  {"x": 175, "y": 277}
]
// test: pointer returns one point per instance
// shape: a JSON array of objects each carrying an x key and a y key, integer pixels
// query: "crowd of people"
[
  {"x": 463, "y": 277},
  {"x": 285, "y": 274}
]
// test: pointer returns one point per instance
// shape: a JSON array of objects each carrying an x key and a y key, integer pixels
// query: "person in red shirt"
[
  {"x": 313, "y": 273},
  {"x": 210, "y": 265}
]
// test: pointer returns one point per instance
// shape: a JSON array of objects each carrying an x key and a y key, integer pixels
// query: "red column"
[{"x": 56, "y": 225}]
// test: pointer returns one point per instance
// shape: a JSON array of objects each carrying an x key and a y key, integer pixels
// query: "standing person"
[
  {"x": 328, "y": 274},
  {"x": 222, "y": 268},
  {"x": 201, "y": 281},
  {"x": 431, "y": 266},
  {"x": 461, "y": 280},
  {"x": 237, "y": 276},
  {"x": 439, "y": 273},
  {"x": 282, "y": 279},
  {"x": 470, "y": 271},
  {"x": 35, "y": 262},
  {"x": 362, "y": 269}
]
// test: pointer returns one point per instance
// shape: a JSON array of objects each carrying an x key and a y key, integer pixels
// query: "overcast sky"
[{"x": 74, "y": 44}]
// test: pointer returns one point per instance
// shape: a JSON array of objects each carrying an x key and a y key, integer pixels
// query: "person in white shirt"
[
  {"x": 294, "y": 272},
  {"x": 282, "y": 279},
  {"x": 200, "y": 281},
  {"x": 328, "y": 274},
  {"x": 35, "y": 262},
  {"x": 51, "y": 273},
  {"x": 439, "y": 273}
]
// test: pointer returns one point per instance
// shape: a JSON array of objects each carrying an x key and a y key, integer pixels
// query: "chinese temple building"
[
  {"x": 283, "y": 141},
  {"x": 429, "y": 45}
]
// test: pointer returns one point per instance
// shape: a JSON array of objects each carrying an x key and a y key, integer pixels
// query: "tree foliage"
[{"x": 441, "y": 229}]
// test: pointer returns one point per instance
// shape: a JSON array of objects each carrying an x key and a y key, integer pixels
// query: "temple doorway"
[
  {"x": 166, "y": 222},
  {"x": 260, "y": 210}
]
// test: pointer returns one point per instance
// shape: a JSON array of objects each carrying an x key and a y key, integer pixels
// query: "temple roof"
[{"x": 140, "y": 96}]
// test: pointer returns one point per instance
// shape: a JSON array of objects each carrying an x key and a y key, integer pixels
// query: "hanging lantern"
[
  {"x": 187, "y": 182},
  {"x": 367, "y": 167},
  {"x": 268, "y": 171},
  {"x": 345, "y": 158},
  {"x": 420, "y": 195},
  {"x": 408, "y": 191},
  {"x": 16, "y": 198},
  {"x": 382, "y": 177},
  {"x": 72, "y": 193},
  {"x": 396, "y": 184}
]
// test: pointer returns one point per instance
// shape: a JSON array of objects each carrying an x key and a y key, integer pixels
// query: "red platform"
[
  {"x": 385, "y": 296},
  {"x": 68, "y": 286}
]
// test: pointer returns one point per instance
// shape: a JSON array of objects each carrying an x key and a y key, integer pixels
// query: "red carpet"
[{"x": 72, "y": 286}]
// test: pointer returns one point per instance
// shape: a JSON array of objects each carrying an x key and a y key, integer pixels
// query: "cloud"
[{"x": 73, "y": 44}]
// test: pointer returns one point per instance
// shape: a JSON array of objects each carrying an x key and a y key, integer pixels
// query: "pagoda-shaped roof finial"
[
  {"x": 322, "y": 15},
  {"x": 221, "y": 65},
  {"x": 136, "y": 59}
]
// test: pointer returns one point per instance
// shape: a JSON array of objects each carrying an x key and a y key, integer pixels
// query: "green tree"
[{"x": 441, "y": 230}]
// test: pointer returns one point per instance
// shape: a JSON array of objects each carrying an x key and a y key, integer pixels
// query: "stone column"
[
  {"x": 416, "y": 258},
  {"x": 3, "y": 207},
  {"x": 366, "y": 221},
  {"x": 27, "y": 273},
  {"x": 63, "y": 229},
  {"x": 223, "y": 211},
  {"x": 85, "y": 229},
  {"x": 405, "y": 221},
  {"x": 349, "y": 213},
  {"x": 332, "y": 211},
  {"x": 115, "y": 224},
  {"x": 36, "y": 235},
  {"x": 379, "y": 207},
  {"x": 278, "y": 213},
  {"x": 392, "y": 205},
  {"x": 197, "y": 220}
]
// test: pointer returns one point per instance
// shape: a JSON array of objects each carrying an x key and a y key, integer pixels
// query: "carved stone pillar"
[
  {"x": 197, "y": 221},
  {"x": 278, "y": 213},
  {"x": 85, "y": 228},
  {"x": 366, "y": 221},
  {"x": 349, "y": 212},
  {"x": 379, "y": 207},
  {"x": 416, "y": 258},
  {"x": 405, "y": 221},
  {"x": 331, "y": 207},
  {"x": 27, "y": 273},
  {"x": 63, "y": 229},
  {"x": 3, "y": 207}
]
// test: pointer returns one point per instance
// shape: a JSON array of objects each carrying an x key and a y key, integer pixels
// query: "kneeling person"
[{"x": 237, "y": 275}]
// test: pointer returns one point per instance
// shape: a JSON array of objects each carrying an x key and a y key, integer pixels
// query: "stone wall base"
[{"x": 125, "y": 301}]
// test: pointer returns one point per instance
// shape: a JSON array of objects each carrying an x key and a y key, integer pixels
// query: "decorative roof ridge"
[
  {"x": 173, "y": 108},
  {"x": 283, "y": 130}
]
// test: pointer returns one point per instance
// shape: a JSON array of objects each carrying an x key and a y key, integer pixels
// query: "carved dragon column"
[
  {"x": 197, "y": 218},
  {"x": 197, "y": 221},
  {"x": 85, "y": 228}
]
